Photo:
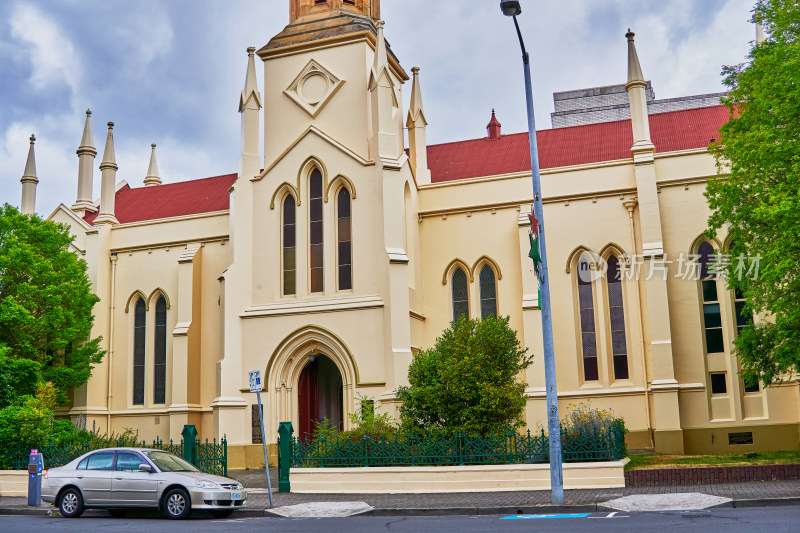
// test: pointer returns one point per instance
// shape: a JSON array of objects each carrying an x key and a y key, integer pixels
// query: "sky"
[{"x": 171, "y": 71}]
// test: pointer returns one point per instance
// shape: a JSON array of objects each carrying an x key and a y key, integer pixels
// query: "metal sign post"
[{"x": 256, "y": 386}]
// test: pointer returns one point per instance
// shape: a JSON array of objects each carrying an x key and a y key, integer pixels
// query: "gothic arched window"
[
  {"x": 488, "y": 289},
  {"x": 316, "y": 247},
  {"x": 460, "y": 294},
  {"x": 160, "y": 353},
  {"x": 139, "y": 335},
  {"x": 343, "y": 234},
  {"x": 616, "y": 310},
  {"x": 586, "y": 311},
  {"x": 712, "y": 318},
  {"x": 289, "y": 247}
]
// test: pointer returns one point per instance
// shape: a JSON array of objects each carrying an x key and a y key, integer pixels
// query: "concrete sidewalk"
[{"x": 751, "y": 494}]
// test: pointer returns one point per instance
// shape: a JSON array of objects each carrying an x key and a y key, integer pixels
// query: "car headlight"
[
  {"x": 239, "y": 486},
  {"x": 203, "y": 484}
]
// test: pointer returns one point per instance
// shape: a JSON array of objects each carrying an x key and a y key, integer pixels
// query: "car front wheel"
[
  {"x": 71, "y": 503},
  {"x": 177, "y": 504}
]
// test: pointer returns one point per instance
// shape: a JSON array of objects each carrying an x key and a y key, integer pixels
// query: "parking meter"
[{"x": 35, "y": 468}]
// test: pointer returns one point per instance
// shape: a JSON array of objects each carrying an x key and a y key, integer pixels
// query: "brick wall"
[{"x": 702, "y": 476}]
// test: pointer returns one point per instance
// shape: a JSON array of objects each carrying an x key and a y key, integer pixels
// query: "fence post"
[
  {"x": 224, "y": 443},
  {"x": 285, "y": 431},
  {"x": 189, "y": 435}
]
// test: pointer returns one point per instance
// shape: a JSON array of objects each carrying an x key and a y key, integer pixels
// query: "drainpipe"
[
  {"x": 630, "y": 205},
  {"x": 110, "y": 353}
]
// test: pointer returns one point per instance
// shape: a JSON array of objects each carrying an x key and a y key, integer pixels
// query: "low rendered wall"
[
  {"x": 250, "y": 456},
  {"x": 479, "y": 478},
  {"x": 13, "y": 483}
]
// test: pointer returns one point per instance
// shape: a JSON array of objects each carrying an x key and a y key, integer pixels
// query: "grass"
[{"x": 649, "y": 462}]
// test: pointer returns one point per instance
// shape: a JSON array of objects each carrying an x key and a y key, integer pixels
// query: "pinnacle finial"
[
  {"x": 153, "y": 177},
  {"x": 30, "y": 164},
  {"x": 415, "y": 110},
  {"x": 251, "y": 50},
  {"x": 88, "y": 112},
  {"x": 109, "y": 158},
  {"x": 634, "y": 67}
]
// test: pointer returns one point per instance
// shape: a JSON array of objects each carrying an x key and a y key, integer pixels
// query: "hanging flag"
[{"x": 534, "y": 238}]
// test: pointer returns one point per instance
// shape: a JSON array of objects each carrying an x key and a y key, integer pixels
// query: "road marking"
[
  {"x": 611, "y": 515},
  {"x": 544, "y": 516}
]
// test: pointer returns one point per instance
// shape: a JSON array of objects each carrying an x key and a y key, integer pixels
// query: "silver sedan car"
[{"x": 118, "y": 479}]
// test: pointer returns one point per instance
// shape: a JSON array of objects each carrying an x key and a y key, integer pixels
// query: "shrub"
[{"x": 468, "y": 381}]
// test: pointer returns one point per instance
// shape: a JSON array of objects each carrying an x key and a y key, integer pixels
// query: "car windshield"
[{"x": 167, "y": 462}]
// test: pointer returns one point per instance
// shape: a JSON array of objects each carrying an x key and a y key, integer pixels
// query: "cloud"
[{"x": 52, "y": 56}]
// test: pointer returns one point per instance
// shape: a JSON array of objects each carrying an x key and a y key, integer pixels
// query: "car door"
[
  {"x": 95, "y": 480},
  {"x": 129, "y": 485}
]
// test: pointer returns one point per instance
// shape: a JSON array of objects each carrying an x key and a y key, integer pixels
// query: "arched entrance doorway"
[{"x": 320, "y": 395}]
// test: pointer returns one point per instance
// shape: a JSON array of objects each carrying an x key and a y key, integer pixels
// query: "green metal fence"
[
  {"x": 605, "y": 444},
  {"x": 210, "y": 457}
]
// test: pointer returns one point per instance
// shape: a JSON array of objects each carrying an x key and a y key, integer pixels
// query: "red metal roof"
[
  {"x": 172, "y": 200},
  {"x": 559, "y": 147},
  {"x": 577, "y": 145}
]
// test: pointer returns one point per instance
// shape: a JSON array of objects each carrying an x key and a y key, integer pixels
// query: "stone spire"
[
  {"x": 29, "y": 181},
  {"x": 86, "y": 154},
  {"x": 417, "y": 138},
  {"x": 108, "y": 181},
  {"x": 250, "y": 110},
  {"x": 385, "y": 138},
  {"x": 637, "y": 94},
  {"x": 152, "y": 178},
  {"x": 250, "y": 83}
]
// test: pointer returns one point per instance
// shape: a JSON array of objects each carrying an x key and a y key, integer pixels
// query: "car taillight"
[{"x": 45, "y": 473}]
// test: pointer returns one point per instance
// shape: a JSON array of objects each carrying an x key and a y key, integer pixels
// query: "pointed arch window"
[
  {"x": 160, "y": 353},
  {"x": 488, "y": 287},
  {"x": 139, "y": 336},
  {"x": 712, "y": 318},
  {"x": 616, "y": 310},
  {"x": 460, "y": 294},
  {"x": 316, "y": 247},
  {"x": 289, "y": 246},
  {"x": 345, "y": 244},
  {"x": 586, "y": 311}
]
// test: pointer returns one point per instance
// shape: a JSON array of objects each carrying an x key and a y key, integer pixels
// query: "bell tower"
[{"x": 313, "y": 8}]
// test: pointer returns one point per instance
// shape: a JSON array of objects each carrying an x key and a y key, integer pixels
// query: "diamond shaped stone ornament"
[{"x": 313, "y": 88}]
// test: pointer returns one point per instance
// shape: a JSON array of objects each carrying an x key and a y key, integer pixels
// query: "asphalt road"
[{"x": 771, "y": 519}]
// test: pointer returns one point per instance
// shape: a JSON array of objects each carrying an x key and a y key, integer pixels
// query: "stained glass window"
[
  {"x": 588, "y": 332},
  {"x": 460, "y": 294},
  {"x": 488, "y": 292},
  {"x": 616, "y": 309},
  {"x": 139, "y": 335},
  {"x": 160, "y": 353},
  {"x": 316, "y": 247},
  {"x": 289, "y": 247},
  {"x": 343, "y": 231}
]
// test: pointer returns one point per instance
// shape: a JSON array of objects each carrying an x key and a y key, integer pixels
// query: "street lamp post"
[{"x": 512, "y": 9}]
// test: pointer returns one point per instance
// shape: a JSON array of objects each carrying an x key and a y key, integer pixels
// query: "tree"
[
  {"x": 468, "y": 381},
  {"x": 45, "y": 309},
  {"x": 757, "y": 193}
]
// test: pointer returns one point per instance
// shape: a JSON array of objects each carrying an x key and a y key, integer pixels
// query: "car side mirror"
[{"x": 145, "y": 468}]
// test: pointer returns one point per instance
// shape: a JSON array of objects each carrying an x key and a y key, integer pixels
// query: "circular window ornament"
[{"x": 314, "y": 87}]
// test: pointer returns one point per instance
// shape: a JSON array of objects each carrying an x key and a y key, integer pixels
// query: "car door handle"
[
  {"x": 118, "y": 478},
  {"x": 79, "y": 477}
]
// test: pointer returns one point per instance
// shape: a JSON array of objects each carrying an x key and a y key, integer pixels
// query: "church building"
[{"x": 340, "y": 246}]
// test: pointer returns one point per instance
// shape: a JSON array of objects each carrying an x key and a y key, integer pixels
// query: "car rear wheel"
[
  {"x": 71, "y": 503},
  {"x": 221, "y": 513},
  {"x": 177, "y": 504}
]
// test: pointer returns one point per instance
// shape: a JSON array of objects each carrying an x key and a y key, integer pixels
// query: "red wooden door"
[{"x": 308, "y": 396}]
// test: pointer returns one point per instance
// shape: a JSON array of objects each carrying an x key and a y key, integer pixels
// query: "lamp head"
[{"x": 510, "y": 8}]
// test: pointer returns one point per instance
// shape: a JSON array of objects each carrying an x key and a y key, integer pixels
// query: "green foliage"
[
  {"x": 45, "y": 308},
  {"x": 364, "y": 423},
  {"x": 468, "y": 381},
  {"x": 756, "y": 194}
]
